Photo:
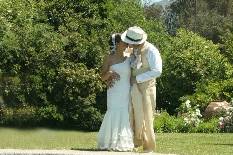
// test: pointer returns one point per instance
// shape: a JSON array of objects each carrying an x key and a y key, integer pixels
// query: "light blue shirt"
[{"x": 155, "y": 64}]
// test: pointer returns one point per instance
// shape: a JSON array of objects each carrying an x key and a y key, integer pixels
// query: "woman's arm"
[{"x": 105, "y": 73}]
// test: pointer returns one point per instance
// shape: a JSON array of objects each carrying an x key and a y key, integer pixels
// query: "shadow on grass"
[
  {"x": 224, "y": 144},
  {"x": 93, "y": 149},
  {"x": 83, "y": 149},
  {"x": 221, "y": 144}
]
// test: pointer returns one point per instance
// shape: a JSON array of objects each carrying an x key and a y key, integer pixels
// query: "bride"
[{"x": 115, "y": 132}]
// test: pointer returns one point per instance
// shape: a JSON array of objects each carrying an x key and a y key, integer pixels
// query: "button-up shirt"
[{"x": 155, "y": 64}]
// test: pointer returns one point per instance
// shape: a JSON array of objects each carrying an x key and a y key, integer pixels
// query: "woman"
[{"x": 115, "y": 132}]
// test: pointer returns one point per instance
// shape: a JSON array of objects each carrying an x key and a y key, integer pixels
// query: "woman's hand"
[
  {"x": 110, "y": 83},
  {"x": 112, "y": 78},
  {"x": 115, "y": 76}
]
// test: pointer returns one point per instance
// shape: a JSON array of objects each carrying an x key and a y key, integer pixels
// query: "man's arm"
[{"x": 155, "y": 64}]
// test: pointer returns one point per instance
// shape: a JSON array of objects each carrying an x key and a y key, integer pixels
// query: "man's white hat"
[{"x": 134, "y": 35}]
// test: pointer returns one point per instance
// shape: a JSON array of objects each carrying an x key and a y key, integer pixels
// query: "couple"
[{"x": 131, "y": 93}]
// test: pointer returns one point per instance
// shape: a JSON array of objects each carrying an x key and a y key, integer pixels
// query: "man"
[{"x": 146, "y": 64}]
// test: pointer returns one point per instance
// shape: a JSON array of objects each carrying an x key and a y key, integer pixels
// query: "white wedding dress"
[{"x": 115, "y": 132}]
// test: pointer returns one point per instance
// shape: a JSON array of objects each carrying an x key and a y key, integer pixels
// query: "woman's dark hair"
[{"x": 113, "y": 40}]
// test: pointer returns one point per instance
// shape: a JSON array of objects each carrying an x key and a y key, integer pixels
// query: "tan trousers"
[{"x": 143, "y": 102}]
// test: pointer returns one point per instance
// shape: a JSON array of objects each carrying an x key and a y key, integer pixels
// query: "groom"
[{"x": 146, "y": 64}]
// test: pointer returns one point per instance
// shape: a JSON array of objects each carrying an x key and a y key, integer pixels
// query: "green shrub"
[
  {"x": 165, "y": 123},
  {"x": 210, "y": 126},
  {"x": 51, "y": 52},
  {"x": 211, "y": 91},
  {"x": 228, "y": 46},
  {"x": 191, "y": 60},
  {"x": 75, "y": 92},
  {"x": 50, "y": 55},
  {"x": 21, "y": 117},
  {"x": 36, "y": 39},
  {"x": 49, "y": 115}
]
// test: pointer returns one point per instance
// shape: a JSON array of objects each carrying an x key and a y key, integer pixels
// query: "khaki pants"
[{"x": 143, "y": 102}]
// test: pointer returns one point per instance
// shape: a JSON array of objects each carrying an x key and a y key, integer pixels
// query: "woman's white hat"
[{"x": 134, "y": 35}]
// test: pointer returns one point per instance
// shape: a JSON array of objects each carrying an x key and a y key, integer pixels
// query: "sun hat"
[{"x": 134, "y": 35}]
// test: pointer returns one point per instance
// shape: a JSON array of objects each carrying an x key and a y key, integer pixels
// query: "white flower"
[
  {"x": 187, "y": 103},
  {"x": 230, "y": 109},
  {"x": 228, "y": 118},
  {"x": 198, "y": 113},
  {"x": 193, "y": 114},
  {"x": 221, "y": 119},
  {"x": 198, "y": 122},
  {"x": 193, "y": 119},
  {"x": 187, "y": 121}
]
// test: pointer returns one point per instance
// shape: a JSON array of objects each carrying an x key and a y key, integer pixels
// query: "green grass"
[
  {"x": 46, "y": 139},
  {"x": 195, "y": 143},
  {"x": 178, "y": 143}
]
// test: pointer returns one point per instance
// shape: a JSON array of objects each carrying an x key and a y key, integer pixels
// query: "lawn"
[
  {"x": 178, "y": 143},
  {"x": 195, "y": 143}
]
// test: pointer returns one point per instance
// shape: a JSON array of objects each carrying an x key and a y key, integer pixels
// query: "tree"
[
  {"x": 191, "y": 60},
  {"x": 51, "y": 52}
]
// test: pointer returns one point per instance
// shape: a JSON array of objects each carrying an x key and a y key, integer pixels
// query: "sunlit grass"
[
  {"x": 46, "y": 139},
  {"x": 177, "y": 143},
  {"x": 195, "y": 144}
]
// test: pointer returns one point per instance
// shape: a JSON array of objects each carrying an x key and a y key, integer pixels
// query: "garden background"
[{"x": 51, "y": 53}]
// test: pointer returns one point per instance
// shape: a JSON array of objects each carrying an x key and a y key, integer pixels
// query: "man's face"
[{"x": 136, "y": 46}]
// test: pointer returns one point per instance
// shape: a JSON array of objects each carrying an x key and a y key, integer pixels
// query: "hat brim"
[{"x": 128, "y": 41}]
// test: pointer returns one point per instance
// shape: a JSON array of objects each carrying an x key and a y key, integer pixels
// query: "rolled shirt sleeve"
[{"x": 155, "y": 64}]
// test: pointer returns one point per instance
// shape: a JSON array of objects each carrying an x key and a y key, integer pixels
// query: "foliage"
[
  {"x": 226, "y": 121},
  {"x": 49, "y": 115},
  {"x": 75, "y": 97},
  {"x": 164, "y": 123},
  {"x": 228, "y": 45},
  {"x": 208, "y": 18},
  {"x": 36, "y": 41},
  {"x": 51, "y": 52},
  {"x": 212, "y": 20},
  {"x": 191, "y": 115},
  {"x": 210, "y": 126},
  {"x": 121, "y": 16},
  {"x": 153, "y": 11},
  {"x": 191, "y": 60},
  {"x": 211, "y": 91},
  {"x": 24, "y": 116}
]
